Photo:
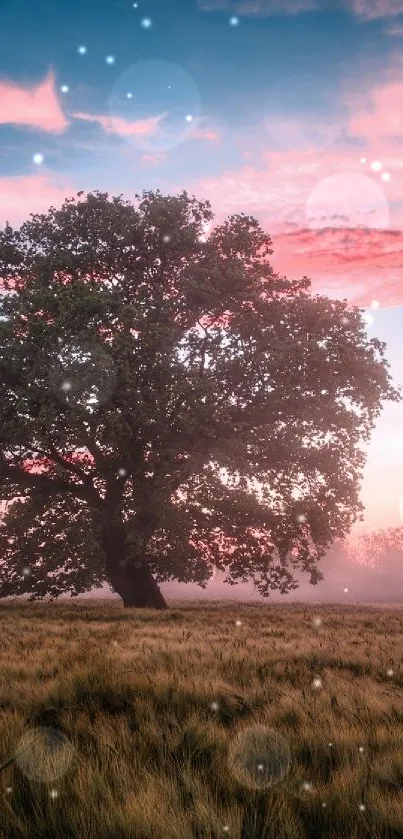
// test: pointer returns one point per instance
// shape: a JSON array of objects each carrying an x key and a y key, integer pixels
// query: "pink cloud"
[
  {"x": 37, "y": 107},
  {"x": 361, "y": 265},
  {"x": 374, "y": 9},
  {"x": 154, "y": 159},
  {"x": 382, "y": 115},
  {"x": 350, "y": 254},
  {"x": 20, "y": 196},
  {"x": 365, "y": 10},
  {"x": 118, "y": 125},
  {"x": 395, "y": 29},
  {"x": 260, "y": 8},
  {"x": 148, "y": 127},
  {"x": 204, "y": 134}
]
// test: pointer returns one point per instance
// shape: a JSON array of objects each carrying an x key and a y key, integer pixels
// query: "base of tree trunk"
[
  {"x": 141, "y": 600},
  {"x": 130, "y": 604},
  {"x": 130, "y": 578},
  {"x": 137, "y": 588}
]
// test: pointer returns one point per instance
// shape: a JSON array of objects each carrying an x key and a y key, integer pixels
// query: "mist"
[{"x": 346, "y": 580}]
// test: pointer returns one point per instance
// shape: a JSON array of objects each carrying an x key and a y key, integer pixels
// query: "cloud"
[
  {"x": 359, "y": 264},
  {"x": 260, "y": 8},
  {"x": 37, "y": 107},
  {"x": 395, "y": 29},
  {"x": 204, "y": 134},
  {"x": 364, "y": 10},
  {"x": 20, "y": 196},
  {"x": 376, "y": 9},
  {"x": 144, "y": 127},
  {"x": 342, "y": 256},
  {"x": 123, "y": 127},
  {"x": 382, "y": 116},
  {"x": 153, "y": 159}
]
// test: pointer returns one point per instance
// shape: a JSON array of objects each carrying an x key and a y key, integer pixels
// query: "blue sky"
[{"x": 241, "y": 73}]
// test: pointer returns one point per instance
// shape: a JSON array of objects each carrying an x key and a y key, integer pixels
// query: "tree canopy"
[{"x": 139, "y": 359}]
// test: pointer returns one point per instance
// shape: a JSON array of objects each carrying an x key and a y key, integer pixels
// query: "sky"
[{"x": 287, "y": 110}]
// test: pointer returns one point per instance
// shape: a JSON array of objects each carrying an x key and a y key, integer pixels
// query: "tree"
[
  {"x": 139, "y": 358},
  {"x": 382, "y": 552}
]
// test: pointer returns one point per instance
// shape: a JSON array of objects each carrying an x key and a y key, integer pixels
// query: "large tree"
[{"x": 141, "y": 358}]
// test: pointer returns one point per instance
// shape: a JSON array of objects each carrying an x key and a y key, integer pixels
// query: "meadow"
[{"x": 146, "y": 712}]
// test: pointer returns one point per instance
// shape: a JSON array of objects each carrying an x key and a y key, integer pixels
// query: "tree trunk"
[
  {"x": 137, "y": 587},
  {"x": 129, "y": 576}
]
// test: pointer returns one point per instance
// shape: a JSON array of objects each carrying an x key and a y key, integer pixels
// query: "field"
[{"x": 121, "y": 723}]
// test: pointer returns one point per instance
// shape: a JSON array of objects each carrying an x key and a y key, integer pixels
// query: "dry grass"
[{"x": 133, "y": 693}]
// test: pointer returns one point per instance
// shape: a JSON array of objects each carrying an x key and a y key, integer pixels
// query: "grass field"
[{"x": 151, "y": 706}]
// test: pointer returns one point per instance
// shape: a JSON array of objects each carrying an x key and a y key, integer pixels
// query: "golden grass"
[{"x": 152, "y": 703}]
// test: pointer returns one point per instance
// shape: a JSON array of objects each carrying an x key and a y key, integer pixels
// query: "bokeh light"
[
  {"x": 347, "y": 199},
  {"x": 44, "y": 754},
  {"x": 259, "y": 757},
  {"x": 83, "y": 374},
  {"x": 154, "y": 119}
]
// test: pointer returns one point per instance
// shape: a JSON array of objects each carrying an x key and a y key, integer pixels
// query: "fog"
[{"x": 382, "y": 583}]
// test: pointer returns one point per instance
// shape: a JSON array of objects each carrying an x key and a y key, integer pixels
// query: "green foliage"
[
  {"x": 36, "y": 559},
  {"x": 129, "y": 343}
]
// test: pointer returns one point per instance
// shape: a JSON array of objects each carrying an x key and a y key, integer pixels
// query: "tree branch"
[
  {"x": 56, "y": 457},
  {"x": 42, "y": 483}
]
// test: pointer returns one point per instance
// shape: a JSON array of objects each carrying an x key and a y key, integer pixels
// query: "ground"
[{"x": 143, "y": 712}]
